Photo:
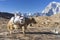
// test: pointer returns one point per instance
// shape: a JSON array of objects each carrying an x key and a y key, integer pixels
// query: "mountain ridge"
[
  {"x": 6, "y": 15},
  {"x": 52, "y": 8}
]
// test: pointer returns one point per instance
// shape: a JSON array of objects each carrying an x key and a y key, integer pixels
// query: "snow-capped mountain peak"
[{"x": 52, "y": 8}]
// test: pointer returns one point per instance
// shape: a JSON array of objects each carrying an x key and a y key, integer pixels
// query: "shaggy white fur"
[{"x": 14, "y": 23}]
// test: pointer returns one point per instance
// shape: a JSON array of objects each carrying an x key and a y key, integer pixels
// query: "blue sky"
[{"x": 24, "y": 6}]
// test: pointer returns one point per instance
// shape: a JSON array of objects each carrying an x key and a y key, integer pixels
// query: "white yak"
[
  {"x": 15, "y": 22},
  {"x": 19, "y": 22}
]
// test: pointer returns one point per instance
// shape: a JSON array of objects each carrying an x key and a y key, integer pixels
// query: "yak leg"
[
  {"x": 23, "y": 29},
  {"x": 10, "y": 28}
]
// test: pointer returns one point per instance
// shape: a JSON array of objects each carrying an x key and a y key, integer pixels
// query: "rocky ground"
[{"x": 43, "y": 30}]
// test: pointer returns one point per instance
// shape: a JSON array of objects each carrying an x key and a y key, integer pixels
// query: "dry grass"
[{"x": 39, "y": 31}]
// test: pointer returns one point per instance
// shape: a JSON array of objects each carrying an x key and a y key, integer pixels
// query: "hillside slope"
[
  {"x": 6, "y": 15},
  {"x": 39, "y": 31}
]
